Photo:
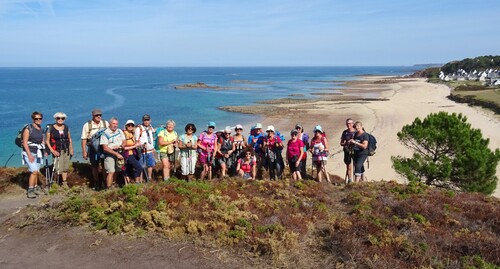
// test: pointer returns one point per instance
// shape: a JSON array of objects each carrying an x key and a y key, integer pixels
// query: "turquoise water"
[{"x": 128, "y": 93}]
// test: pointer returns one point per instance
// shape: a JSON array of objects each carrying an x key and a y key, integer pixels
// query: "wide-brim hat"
[
  {"x": 129, "y": 122},
  {"x": 270, "y": 128},
  {"x": 318, "y": 129},
  {"x": 258, "y": 126}
]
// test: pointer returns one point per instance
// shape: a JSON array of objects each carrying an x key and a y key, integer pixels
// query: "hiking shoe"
[
  {"x": 31, "y": 193},
  {"x": 39, "y": 191}
]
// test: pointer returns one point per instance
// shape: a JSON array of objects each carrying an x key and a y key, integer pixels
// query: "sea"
[{"x": 129, "y": 93}]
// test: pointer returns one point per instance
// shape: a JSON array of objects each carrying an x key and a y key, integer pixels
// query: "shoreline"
[{"x": 384, "y": 104}]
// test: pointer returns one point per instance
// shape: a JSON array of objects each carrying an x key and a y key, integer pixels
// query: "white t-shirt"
[{"x": 146, "y": 136}]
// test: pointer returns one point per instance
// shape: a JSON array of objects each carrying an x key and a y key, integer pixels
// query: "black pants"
[{"x": 359, "y": 159}]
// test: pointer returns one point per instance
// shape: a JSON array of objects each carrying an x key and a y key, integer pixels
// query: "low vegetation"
[{"x": 298, "y": 225}]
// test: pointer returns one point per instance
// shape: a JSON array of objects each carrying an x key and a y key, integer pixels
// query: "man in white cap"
[{"x": 88, "y": 152}]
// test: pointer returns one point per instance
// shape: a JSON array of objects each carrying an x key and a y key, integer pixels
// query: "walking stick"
[
  {"x": 47, "y": 173},
  {"x": 145, "y": 163}
]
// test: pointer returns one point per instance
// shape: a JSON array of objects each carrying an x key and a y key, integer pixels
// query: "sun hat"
[
  {"x": 258, "y": 126},
  {"x": 318, "y": 128},
  {"x": 238, "y": 126},
  {"x": 211, "y": 123},
  {"x": 129, "y": 121},
  {"x": 270, "y": 128}
]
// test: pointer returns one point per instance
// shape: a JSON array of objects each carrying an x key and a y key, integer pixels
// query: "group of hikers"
[{"x": 135, "y": 149}]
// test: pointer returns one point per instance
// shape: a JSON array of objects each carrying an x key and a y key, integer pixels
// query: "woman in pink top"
[{"x": 294, "y": 152}]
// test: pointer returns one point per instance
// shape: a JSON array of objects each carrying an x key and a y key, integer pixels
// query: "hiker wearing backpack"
[
  {"x": 239, "y": 142},
  {"x": 88, "y": 139},
  {"x": 246, "y": 166},
  {"x": 144, "y": 133},
  {"x": 360, "y": 151},
  {"x": 255, "y": 141},
  {"x": 133, "y": 167},
  {"x": 225, "y": 151},
  {"x": 167, "y": 142},
  {"x": 348, "y": 148},
  {"x": 33, "y": 147},
  {"x": 112, "y": 141},
  {"x": 319, "y": 150},
  {"x": 207, "y": 147},
  {"x": 305, "y": 139},
  {"x": 188, "y": 143},
  {"x": 271, "y": 148},
  {"x": 58, "y": 141},
  {"x": 294, "y": 152}
]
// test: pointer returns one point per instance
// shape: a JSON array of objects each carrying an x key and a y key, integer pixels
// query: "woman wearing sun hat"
[
  {"x": 319, "y": 149},
  {"x": 133, "y": 167},
  {"x": 58, "y": 140}
]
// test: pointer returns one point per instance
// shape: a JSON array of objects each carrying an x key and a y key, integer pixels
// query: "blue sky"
[{"x": 245, "y": 33}]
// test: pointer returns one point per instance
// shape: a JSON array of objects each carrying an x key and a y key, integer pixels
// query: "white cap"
[
  {"x": 129, "y": 121},
  {"x": 238, "y": 126},
  {"x": 270, "y": 128}
]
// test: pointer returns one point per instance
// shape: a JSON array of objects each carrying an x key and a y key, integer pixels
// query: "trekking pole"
[
  {"x": 12, "y": 155},
  {"x": 145, "y": 163},
  {"x": 47, "y": 172},
  {"x": 54, "y": 170},
  {"x": 175, "y": 167}
]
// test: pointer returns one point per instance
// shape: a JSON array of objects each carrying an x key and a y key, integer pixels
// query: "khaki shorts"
[{"x": 110, "y": 164}]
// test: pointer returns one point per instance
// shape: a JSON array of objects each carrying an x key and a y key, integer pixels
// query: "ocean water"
[{"x": 129, "y": 93}]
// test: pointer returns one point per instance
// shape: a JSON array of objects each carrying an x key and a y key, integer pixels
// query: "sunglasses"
[
  {"x": 239, "y": 129},
  {"x": 97, "y": 115},
  {"x": 249, "y": 154},
  {"x": 130, "y": 124},
  {"x": 60, "y": 118},
  {"x": 228, "y": 133},
  {"x": 38, "y": 118},
  {"x": 211, "y": 127},
  {"x": 350, "y": 123},
  {"x": 294, "y": 134}
]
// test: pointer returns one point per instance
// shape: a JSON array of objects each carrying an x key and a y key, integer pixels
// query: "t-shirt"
[
  {"x": 168, "y": 137},
  {"x": 272, "y": 142},
  {"x": 246, "y": 167},
  {"x": 260, "y": 140},
  {"x": 346, "y": 136},
  {"x": 112, "y": 139},
  {"x": 145, "y": 136},
  {"x": 93, "y": 128},
  {"x": 208, "y": 141},
  {"x": 293, "y": 147},
  {"x": 360, "y": 138},
  {"x": 185, "y": 139}
]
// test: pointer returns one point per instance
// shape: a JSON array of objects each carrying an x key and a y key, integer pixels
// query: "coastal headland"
[{"x": 384, "y": 105}]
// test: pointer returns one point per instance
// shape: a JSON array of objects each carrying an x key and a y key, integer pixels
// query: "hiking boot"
[
  {"x": 39, "y": 191},
  {"x": 31, "y": 193}
]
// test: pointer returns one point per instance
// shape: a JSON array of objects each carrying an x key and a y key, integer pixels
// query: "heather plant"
[{"x": 448, "y": 153}]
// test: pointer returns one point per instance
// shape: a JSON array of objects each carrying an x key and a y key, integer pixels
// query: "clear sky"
[{"x": 245, "y": 33}]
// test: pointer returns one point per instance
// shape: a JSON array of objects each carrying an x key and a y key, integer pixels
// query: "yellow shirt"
[{"x": 168, "y": 137}]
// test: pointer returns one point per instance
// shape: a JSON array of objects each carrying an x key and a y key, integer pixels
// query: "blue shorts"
[
  {"x": 35, "y": 165},
  {"x": 150, "y": 159}
]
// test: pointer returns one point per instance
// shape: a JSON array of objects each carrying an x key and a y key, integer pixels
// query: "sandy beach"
[{"x": 393, "y": 103}]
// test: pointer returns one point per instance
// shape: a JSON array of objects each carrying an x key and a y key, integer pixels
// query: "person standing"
[
  {"x": 33, "y": 149},
  {"x": 132, "y": 166},
  {"x": 294, "y": 152},
  {"x": 167, "y": 141},
  {"x": 88, "y": 152},
  {"x": 144, "y": 133},
  {"x": 58, "y": 140},
  {"x": 305, "y": 139},
  {"x": 225, "y": 150},
  {"x": 207, "y": 143},
  {"x": 319, "y": 149},
  {"x": 271, "y": 150},
  {"x": 112, "y": 141},
  {"x": 255, "y": 141},
  {"x": 188, "y": 145},
  {"x": 347, "y": 147},
  {"x": 360, "y": 149}
]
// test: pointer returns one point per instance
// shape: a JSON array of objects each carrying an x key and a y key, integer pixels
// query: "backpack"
[
  {"x": 95, "y": 142},
  {"x": 19, "y": 137},
  {"x": 372, "y": 144},
  {"x": 159, "y": 130},
  {"x": 282, "y": 137}
]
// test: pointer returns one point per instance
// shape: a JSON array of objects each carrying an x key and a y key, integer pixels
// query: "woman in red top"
[
  {"x": 246, "y": 167},
  {"x": 294, "y": 152}
]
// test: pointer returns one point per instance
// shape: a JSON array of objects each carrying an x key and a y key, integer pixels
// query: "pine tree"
[{"x": 448, "y": 153}]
